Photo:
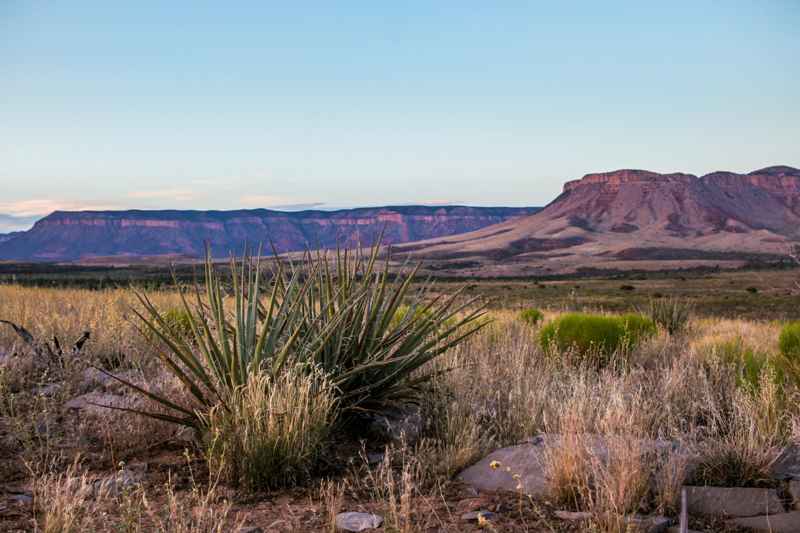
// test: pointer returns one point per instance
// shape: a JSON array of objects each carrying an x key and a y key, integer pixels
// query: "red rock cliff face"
[
  {"x": 68, "y": 236},
  {"x": 683, "y": 204}
]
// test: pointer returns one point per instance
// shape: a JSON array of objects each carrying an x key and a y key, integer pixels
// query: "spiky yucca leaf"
[
  {"x": 226, "y": 344},
  {"x": 335, "y": 316},
  {"x": 374, "y": 359}
]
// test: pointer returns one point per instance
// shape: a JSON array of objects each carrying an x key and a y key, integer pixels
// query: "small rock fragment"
[
  {"x": 358, "y": 521},
  {"x": 573, "y": 516}
]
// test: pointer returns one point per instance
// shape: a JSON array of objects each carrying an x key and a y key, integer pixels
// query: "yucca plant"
[
  {"x": 671, "y": 314},
  {"x": 382, "y": 335},
  {"x": 227, "y": 343},
  {"x": 328, "y": 316}
]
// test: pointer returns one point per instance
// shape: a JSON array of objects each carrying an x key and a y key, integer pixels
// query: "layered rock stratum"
[
  {"x": 637, "y": 219},
  {"x": 128, "y": 235}
]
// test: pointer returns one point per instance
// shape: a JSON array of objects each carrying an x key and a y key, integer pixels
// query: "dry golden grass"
[
  {"x": 499, "y": 390},
  {"x": 271, "y": 429}
]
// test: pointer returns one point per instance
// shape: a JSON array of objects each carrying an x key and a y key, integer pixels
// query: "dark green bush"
[
  {"x": 531, "y": 316},
  {"x": 638, "y": 327},
  {"x": 749, "y": 363},
  {"x": 789, "y": 357},
  {"x": 789, "y": 341},
  {"x": 587, "y": 334}
]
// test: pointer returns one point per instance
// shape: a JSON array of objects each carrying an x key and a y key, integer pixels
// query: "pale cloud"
[
  {"x": 264, "y": 200},
  {"x": 43, "y": 206},
  {"x": 440, "y": 202},
  {"x": 181, "y": 195}
]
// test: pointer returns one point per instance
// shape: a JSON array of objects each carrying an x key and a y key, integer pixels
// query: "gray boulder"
[
  {"x": 358, "y": 521},
  {"x": 732, "y": 501},
  {"x": 527, "y": 462}
]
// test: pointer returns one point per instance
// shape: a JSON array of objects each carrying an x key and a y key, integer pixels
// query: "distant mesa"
[
  {"x": 639, "y": 219},
  {"x": 130, "y": 235},
  {"x": 625, "y": 219}
]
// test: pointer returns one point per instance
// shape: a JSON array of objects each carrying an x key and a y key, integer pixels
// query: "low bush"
[
  {"x": 751, "y": 365},
  {"x": 788, "y": 358},
  {"x": 177, "y": 321},
  {"x": 596, "y": 334},
  {"x": 637, "y": 328},
  {"x": 789, "y": 341},
  {"x": 531, "y": 316}
]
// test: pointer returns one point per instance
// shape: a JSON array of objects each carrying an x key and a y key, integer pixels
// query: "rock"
[
  {"x": 86, "y": 402},
  {"x": 794, "y": 492},
  {"x": 647, "y": 524},
  {"x": 358, "y": 521},
  {"x": 22, "y": 498},
  {"x": 116, "y": 483},
  {"x": 375, "y": 458},
  {"x": 250, "y": 530},
  {"x": 50, "y": 390},
  {"x": 471, "y": 504},
  {"x": 526, "y": 461},
  {"x": 95, "y": 380},
  {"x": 677, "y": 529},
  {"x": 395, "y": 425},
  {"x": 774, "y": 523},
  {"x": 787, "y": 465},
  {"x": 732, "y": 501},
  {"x": 573, "y": 516},
  {"x": 475, "y": 516},
  {"x": 523, "y": 460}
]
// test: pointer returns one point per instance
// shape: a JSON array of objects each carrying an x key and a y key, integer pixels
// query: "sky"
[{"x": 226, "y": 105}]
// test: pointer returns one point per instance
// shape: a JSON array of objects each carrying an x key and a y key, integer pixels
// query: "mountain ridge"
[
  {"x": 76, "y": 235},
  {"x": 631, "y": 218}
]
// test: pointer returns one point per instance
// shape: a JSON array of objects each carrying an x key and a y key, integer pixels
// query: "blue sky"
[{"x": 191, "y": 104}]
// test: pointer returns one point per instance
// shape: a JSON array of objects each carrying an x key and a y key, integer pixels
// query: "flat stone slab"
[
  {"x": 523, "y": 460},
  {"x": 93, "y": 401},
  {"x": 776, "y": 523},
  {"x": 526, "y": 461},
  {"x": 356, "y": 522},
  {"x": 732, "y": 501}
]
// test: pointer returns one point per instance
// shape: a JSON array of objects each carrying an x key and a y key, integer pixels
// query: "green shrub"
[
  {"x": 638, "y": 327},
  {"x": 789, "y": 340},
  {"x": 748, "y": 363},
  {"x": 596, "y": 334},
  {"x": 671, "y": 314},
  {"x": 177, "y": 320},
  {"x": 788, "y": 359},
  {"x": 531, "y": 316}
]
